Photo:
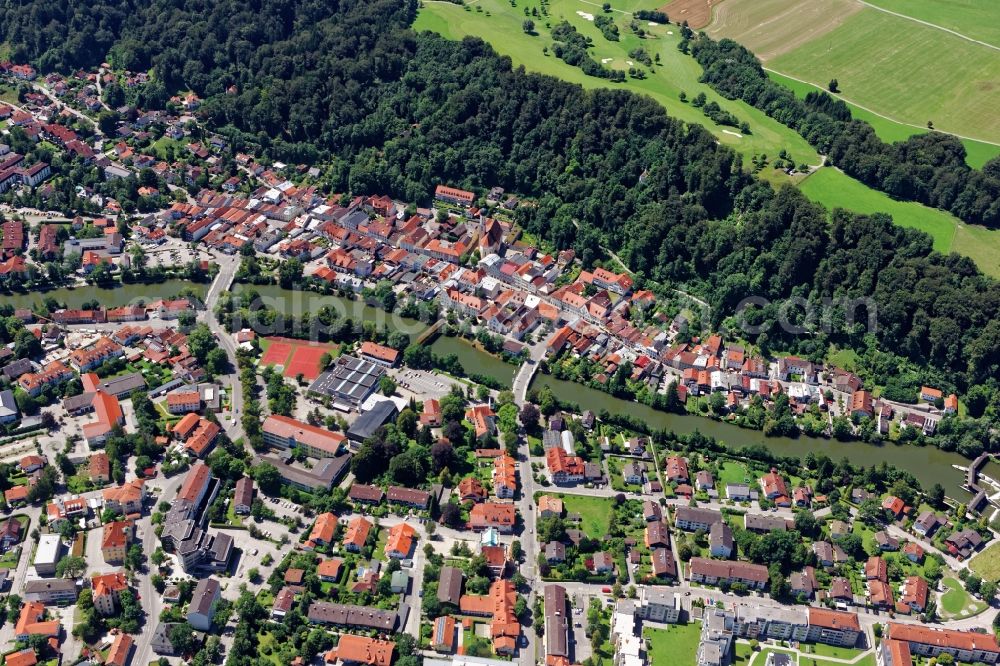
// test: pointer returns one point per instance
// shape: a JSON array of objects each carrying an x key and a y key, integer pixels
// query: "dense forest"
[
  {"x": 929, "y": 168},
  {"x": 349, "y": 86}
]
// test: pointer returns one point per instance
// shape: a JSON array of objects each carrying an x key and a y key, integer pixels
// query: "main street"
[
  {"x": 533, "y": 650},
  {"x": 152, "y": 604},
  {"x": 221, "y": 285}
]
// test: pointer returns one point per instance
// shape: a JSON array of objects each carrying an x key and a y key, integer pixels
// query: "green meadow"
[
  {"x": 977, "y": 152},
  {"x": 832, "y": 188},
  {"x": 905, "y": 70}
]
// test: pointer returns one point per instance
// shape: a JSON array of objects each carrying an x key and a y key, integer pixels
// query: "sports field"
[
  {"x": 295, "y": 356},
  {"x": 276, "y": 353},
  {"x": 497, "y": 22},
  {"x": 898, "y": 67}
]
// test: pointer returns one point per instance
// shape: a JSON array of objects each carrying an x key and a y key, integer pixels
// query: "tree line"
[{"x": 929, "y": 168}]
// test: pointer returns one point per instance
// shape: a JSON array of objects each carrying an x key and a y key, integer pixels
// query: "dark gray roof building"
[
  {"x": 345, "y": 615},
  {"x": 376, "y": 417},
  {"x": 124, "y": 386},
  {"x": 450, "y": 585}
]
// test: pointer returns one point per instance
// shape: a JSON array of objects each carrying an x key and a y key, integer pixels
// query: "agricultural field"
[
  {"x": 977, "y": 152},
  {"x": 922, "y": 74},
  {"x": 976, "y": 19}
]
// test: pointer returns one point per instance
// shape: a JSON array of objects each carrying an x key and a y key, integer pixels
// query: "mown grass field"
[
  {"x": 893, "y": 65},
  {"x": 501, "y": 24},
  {"x": 832, "y": 188},
  {"x": 986, "y": 564},
  {"x": 977, "y": 152},
  {"x": 977, "y": 19},
  {"x": 677, "y": 644}
]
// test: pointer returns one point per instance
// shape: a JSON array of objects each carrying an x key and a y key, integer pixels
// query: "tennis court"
[
  {"x": 276, "y": 353},
  {"x": 305, "y": 361}
]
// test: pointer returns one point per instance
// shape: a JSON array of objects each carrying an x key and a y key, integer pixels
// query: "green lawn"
[
  {"x": 594, "y": 512},
  {"x": 10, "y": 558},
  {"x": 160, "y": 147},
  {"x": 268, "y": 648},
  {"x": 678, "y": 644},
  {"x": 733, "y": 472},
  {"x": 846, "y": 359},
  {"x": 956, "y": 602},
  {"x": 809, "y": 660},
  {"x": 867, "y": 535},
  {"x": 383, "y": 538},
  {"x": 987, "y": 563},
  {"x": 821, "y": 650},
  {"x": 829, "y": 186},
  {"x": 743, "y": 654},
  {"x": 8, "y": 94},
  {"x": 232, "y": 518}
]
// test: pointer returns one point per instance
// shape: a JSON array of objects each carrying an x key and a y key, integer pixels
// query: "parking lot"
[
  {"x": 174, "y": 252},
  {"x": 423, "y": 384}
]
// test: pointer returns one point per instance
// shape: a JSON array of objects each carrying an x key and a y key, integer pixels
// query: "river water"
[
  {"x": 296, "y": 303},
  {"x": 112, "y": 297},
  {"x": 475, "y": 360},
  {"x": 928, "y": 464}
]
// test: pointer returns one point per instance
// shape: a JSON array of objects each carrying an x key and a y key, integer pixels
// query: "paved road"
[
  {"x": 522, "y": 380},
  {"x": 223, "y": 281},
  {"x": 20, "y": 572},
  {"x": 45, "y": 90},
  {"x": 535, "y": 650},
  {"x": 150, "y": 599}
]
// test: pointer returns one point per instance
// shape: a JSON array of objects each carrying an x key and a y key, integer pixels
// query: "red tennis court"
[
  {"x": 276, "y": 354},
  {"x": 305, "y": 361}
]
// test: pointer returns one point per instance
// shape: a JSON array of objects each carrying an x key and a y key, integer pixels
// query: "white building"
[{"x": 48, "y": 554}]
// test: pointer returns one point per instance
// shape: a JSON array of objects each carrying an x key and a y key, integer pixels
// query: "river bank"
[
  {"x": 928, "y": 464},
  {"x": 111, "y": 297}
]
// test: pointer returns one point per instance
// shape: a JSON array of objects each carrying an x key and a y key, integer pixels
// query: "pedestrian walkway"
[{"x": 865, "y": 657}]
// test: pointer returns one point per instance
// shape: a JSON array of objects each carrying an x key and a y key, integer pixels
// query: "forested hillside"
[{"x": 346, "y": 85}]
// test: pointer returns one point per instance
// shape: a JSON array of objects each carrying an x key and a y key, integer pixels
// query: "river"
[
  {"x": 475, "y": 360},
  {"x": 295, "y": 302},
  {"x": 928, "y": 464},
  {"x": 112, "y": 297}
]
